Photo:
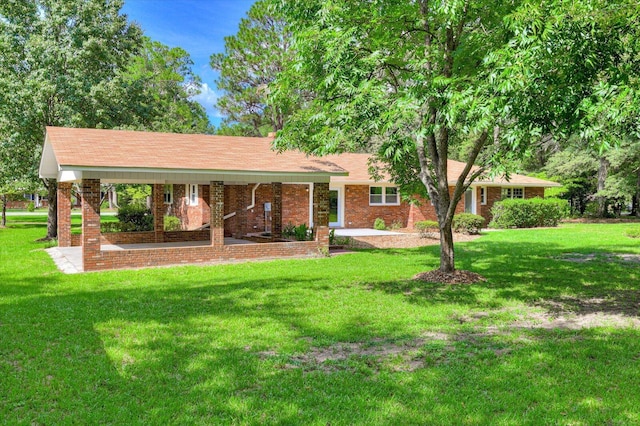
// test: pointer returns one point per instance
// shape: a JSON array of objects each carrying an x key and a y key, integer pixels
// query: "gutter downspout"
[{"x": 249, "y": 207}]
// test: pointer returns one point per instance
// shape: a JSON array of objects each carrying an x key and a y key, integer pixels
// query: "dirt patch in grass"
[
  {"x": 604, "y": 257},
  {"x": 455, "y": 277}
]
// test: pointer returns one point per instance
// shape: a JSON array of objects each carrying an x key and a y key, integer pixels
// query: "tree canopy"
[{"x": 251, "y": 61}]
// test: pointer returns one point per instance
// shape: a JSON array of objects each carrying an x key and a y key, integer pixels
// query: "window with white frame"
[
  {"x": 168, "y": 194},
  {"x": 192, "y": 194},
  {"x": 384, "y": 195},
  {"x": 483, "y": 195},
  {"x": 512, "y": 192}
]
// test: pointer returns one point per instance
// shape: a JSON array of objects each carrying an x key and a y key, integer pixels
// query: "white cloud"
[{"x": 208, "y": 98}]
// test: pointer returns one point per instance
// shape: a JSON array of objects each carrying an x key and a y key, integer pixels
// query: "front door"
[{"x": 335, "y": 208}]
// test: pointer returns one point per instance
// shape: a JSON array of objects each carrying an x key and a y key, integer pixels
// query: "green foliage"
[
  {"x": 379, "y": 224},
  {"x": 529, "y": 213},
  {"x": 288, "y": 230},
  {"x": 427, "y": 228},
  {"x": 468, "y": 223},
  {"x": 332, "y": 237},
  {"x": 251, "y": 61},
  {"x": 135, "y": 195},
  {"x": 172, "y": 223},
  {"x": 31, "y": 207},
  {"x": 136, "y": 218},
  {"x": 302, "y": 232}
]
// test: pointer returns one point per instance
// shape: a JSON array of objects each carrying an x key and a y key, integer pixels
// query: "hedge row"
[{"x": 529, "y": 213}]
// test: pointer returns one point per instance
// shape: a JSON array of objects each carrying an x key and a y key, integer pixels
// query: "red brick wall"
[
  {"x": 359, "y": 214},
  {"x": 64, "y": 214},
  {"x": 295, "y": 204}
]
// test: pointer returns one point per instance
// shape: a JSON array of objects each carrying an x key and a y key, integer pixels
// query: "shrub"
[
  {"x": 139, "y": 218},
  {"x": 117, "y": 227},
  {"x": 289, "y": 230},
  {"x": 633, "y": 233},
  {"x": 529, "y": 213},
  {"x": 332, "y": 237},
  {"x": 172, "y": 223},
  {"x": 427, "y": 228},
  {"x": 31, "y": 207},
  {"x": 379, "y": 224},
  {"x": 467, "y": 223},
  {"x": 396, "y": 224},
  {"x": 302, "y": 232}
]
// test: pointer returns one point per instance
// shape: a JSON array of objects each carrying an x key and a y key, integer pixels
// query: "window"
[
  {"x": 512, "y": 192},
  {"x": 192, "y": 194},
  {"x": 483, "y": 195},
  {"x": 384, "y": 195},
  {"x": 168, "y": 194}
]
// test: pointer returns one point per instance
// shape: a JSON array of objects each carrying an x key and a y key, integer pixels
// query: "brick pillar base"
[
  {"x": 91, "y": 255},
  {"x": 276, "y": 210},
  {"x": 216, "y": 204},
  {"x": 64, "y": 214},
  {"x": 157, "y": 208}
]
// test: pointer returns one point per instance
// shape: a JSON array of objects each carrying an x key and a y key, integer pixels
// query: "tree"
[
  {"x": 53, "y": 53},
  {"x": 572, "y": 70},
  {"x": 404, "y": 78},
  {"x": 251, "y": 61},
  {"x": 153, "y": 92}
]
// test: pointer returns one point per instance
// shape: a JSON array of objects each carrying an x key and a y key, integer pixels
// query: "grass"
[{"x": 294, "y": 342}]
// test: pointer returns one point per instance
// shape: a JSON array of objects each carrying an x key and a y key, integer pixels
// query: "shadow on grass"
[
  {"x": 192, "y": 354},
  {"x": 514, "y": 273}
]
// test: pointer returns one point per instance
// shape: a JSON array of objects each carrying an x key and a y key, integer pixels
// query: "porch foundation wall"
[{"x": 122, "y": 259}]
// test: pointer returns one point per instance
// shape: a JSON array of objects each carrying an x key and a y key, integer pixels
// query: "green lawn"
[{"x": 342, "y": 340}]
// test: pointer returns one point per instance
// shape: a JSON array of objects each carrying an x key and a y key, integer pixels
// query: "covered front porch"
[{"x": 103, "y": 251}]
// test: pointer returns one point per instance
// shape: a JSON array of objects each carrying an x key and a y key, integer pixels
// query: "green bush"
[
  {"x": 137, "y": 217},
  {"x": 172, "y": 223},
  {"x": 289, "y": 230},
  {"x": 427, "y": 228},
  {"x": 31, "y": 207},
  {"x": 529, "y": 213},
  {"x": 467, "y": 223},
  {"x": 302, "y": 232},
  {"x": 379, "y": 224},
  {"x": 117, "y": 227}
]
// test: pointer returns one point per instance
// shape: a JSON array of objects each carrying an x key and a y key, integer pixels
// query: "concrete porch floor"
[
  {"x": 362, "y": 232},
  {"x": 69, "y": 259}
]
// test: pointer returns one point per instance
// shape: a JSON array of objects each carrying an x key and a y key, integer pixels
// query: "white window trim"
[
  {"x": 384, "y": 195},
  {"x": 189, "y": 191},
  {"x": 483, "y": 195},
  {"x": 511, "y": 189},
  {"x": 170, "y": 193}
]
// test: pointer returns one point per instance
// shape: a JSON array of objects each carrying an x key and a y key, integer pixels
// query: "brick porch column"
[
  {"x": 242, "y": 201},
  {"x": 157, "y": 209},
  {"x": 90, "y": 223},
  {"x": 276, "y": 210},
  {"x": 321, "y": 213},
  {"x": 216, "y": 202},
  {"x": 64, "y": 214}
]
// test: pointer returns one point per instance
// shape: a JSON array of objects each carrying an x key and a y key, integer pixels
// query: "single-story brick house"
[{"x": 234, "y": 185}]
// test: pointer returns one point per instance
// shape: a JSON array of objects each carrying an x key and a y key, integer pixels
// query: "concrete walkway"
[
  {"x": 363, "y": 232},
  {"x": 69, "y": 259}
]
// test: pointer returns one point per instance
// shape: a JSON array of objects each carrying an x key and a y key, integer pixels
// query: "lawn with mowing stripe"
[{"x": 552, "y": 336}]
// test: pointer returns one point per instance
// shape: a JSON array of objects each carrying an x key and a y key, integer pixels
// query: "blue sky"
[{"x": 197, "y": 26}]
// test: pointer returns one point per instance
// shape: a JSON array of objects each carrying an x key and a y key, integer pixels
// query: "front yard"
[{"x": 552, "y": 336}]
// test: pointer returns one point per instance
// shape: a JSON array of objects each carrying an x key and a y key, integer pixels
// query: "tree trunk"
[
  {"x": 603, "y": 171},
  {"x": 447, "y": 258},
  {"x": 3, "y": 224},
  {"x": 52, "y": 220}
]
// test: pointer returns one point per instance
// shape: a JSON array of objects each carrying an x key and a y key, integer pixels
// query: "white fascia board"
[
  {"x": 48, "y": 164},
  {"x": 338, "y": 181},
  {"x": 134, "y": 175},
  {"x": 69, "y": 176}
]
